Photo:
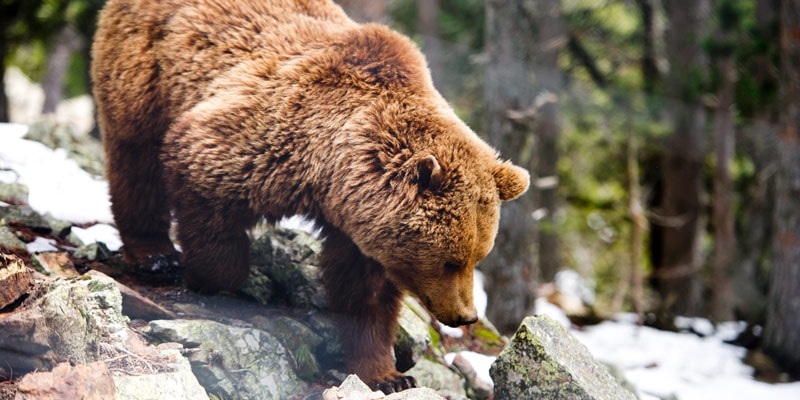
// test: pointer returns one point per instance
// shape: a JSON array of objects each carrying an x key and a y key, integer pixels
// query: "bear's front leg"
[
  {"x": 138, "y": 200},
  {"x": 366, "y": 305},
  {"x": 216, "y": 248}
]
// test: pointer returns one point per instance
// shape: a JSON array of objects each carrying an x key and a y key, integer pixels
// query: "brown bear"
[{"x": 229, "y": 111}]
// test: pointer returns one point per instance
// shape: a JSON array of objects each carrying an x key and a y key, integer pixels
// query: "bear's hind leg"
[
  {"x": 366, "y": 306},
  {"x": 139, "y": 202}
]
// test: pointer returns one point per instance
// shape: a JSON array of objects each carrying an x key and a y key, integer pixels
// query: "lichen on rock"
[
  {"x": 231, "y": 362},
  {"x": 63, "y": 320},
  {"x": 544, "y": 361}
]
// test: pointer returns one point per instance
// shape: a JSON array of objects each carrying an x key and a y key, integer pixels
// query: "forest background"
[{"x": 662, "y": 137}]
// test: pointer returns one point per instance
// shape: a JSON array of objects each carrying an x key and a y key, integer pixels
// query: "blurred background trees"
[{"x": 661, "y": 135}]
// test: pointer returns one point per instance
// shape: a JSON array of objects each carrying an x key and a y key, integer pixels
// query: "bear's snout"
[
  {"x": 462, "y": 320},
  {"x": 467, "y": 316}
]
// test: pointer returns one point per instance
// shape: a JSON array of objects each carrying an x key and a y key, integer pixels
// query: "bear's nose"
[{"x": 467, "y": 320}]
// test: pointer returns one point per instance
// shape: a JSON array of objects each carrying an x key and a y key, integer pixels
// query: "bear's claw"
[{"x": 397, "y": 384}]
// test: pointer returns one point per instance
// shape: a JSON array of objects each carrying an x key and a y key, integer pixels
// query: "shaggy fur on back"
[{"x": 228, "y": 111}]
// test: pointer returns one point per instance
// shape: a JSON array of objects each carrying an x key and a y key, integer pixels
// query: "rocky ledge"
[{"x": 76, "y": 323}]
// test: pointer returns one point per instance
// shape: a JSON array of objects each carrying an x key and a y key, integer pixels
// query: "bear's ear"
[
  {"x": 430, "y": 174},
  {"x": 511, "y": 180}
]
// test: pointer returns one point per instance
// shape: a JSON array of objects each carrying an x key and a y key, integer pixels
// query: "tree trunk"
[
  {"x": 783, "y": 310},
  {"x": 650, "y": 73},
  {"x": 427, "y": 12},
  {"x": 632, "y": 276},
  {"x": 67, "y": 43},
  {"x": 365, "y": 10},
  {"x": 754, "y": 241},
  {"x": 721, "y": 306},
  {"x": 4, "y": 111},
  {"x": 512, "y": 115},
  {"x": 549, "y": 82},
  {"x": 678, "y": 222}
]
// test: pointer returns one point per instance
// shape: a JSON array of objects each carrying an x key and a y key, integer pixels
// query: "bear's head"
[
  {"x": 427, "y": 193},
  {"x": 417, "y": 189}
]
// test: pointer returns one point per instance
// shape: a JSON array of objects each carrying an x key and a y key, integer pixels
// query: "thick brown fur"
[{"x": 228, "y": 111}]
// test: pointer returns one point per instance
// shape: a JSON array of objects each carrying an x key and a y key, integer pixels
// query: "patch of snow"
[
  {"x": 481, "y": 363},
  {"x": 663, "y": 363},
  {"x": 570, "y": 282},
  {"x": 57, "y": 185},
  {"x": 450, "y": 331},
  {"x": 544, "y": 307},
  {"x": 300, "y": 223},
  {"x": 701, "y": 326},
  {"x": 13, "y": 130},
  {"x": 103, "y": 233},
  {"x": 41, "y": 245},
  {"x": 479, "y": 297}
]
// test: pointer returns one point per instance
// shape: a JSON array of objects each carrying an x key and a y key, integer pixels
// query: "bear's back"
[{"x": 160, "y": 56}]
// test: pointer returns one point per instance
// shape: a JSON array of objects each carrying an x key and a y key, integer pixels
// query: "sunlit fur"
[{"x": 228, "y": 111}]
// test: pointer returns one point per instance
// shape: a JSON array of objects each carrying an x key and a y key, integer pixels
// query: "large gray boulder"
[
  {"x": 62, "y": 320},
  {"x": 413, "y": 336},
  {"x": 544, "y": 361},
  {"x": 9, "y": 240},
  {"x": 439, "y": 377},
  {"x": 284, "y": 269},
  {"x": 231, "y": 362},
  {"x": 177, "y": 384},
  {"x": 352, "y": 388},
  {"x": 13, "y": 193}
]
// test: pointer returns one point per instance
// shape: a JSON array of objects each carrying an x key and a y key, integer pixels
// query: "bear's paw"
[{"x": 396, "y": 384}]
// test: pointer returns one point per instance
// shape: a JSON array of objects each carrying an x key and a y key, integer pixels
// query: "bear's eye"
[{"x": 451, "y": 267}]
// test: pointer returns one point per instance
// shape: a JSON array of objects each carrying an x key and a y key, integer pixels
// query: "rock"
[
  {"x": 15, "y": 279},
  {"x": 13, "y": 193},
  {"x": 414, "y": 305},
  {"x": 352, "y": 388},
  {"x": 60, "y": 228},
  {"x": 53, "y": 263},
  {"x": 26, "y": 216},
  {"x": 136, "y": 306},
  {"x": 415, "y": 394},
  {"x": 62, "y": 320},
  {"x": 545, "y": 361},
  {"x": 230, "y": 362},
  {"x": 93, "y": 252},
  {"x": 413, "y": 337},
  {"x": 329, "y": 353},
  {"x": 303, "y": 344},
  {"x": 288, "y": 260},
  {"x": 88, "y": 382},
  {"x": 445, "y": 381},
  {"x": 179, "y": 384},
  {"x": 479, "y": 389},
  {"x": 258, "y": 286},
  {"x": 9, "y": 240},
  {"x": 491, "y": 339},
  {"x": 85, "y": 150}
]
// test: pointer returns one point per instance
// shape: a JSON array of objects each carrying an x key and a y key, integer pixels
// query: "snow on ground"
[
  {"x": 658, "y": 363},
  {"x": 57, "y": 184},
  {"x": 662, "y": 363},
  {"x": 100, "y": 233}
]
